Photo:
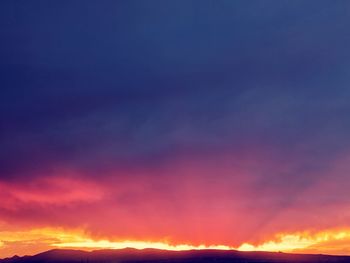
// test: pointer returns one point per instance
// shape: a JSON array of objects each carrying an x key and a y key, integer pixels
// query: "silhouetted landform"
[{"x": 130, "y": 255}]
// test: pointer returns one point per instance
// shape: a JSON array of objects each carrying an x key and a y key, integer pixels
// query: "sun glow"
[
  {"x": 136, "y": 244},
  {"x": 37, "y": 240},
  {"x": 299, "y": 242}
]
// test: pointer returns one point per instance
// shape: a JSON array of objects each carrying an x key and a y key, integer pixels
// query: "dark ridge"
[{"x": 131, "y": 255}]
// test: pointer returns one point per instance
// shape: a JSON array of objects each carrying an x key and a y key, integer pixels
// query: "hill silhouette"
[{"x": 130, "y": 255}]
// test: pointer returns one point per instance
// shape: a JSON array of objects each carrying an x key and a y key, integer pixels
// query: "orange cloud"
[
  {"x": 329, "y": 241},
  {"x": 333, "y": 241}
]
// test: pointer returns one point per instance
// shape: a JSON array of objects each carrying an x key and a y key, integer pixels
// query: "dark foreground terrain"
[{"x": 160, "y": 256}]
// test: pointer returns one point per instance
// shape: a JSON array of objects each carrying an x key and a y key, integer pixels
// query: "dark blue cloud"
[{"x": 93, "y": 84}]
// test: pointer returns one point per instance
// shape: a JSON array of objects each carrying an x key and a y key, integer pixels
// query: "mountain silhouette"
[{"x": 130, "y": 255}]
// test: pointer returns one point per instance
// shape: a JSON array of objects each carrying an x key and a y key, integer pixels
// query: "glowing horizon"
[{"x": 302, "y": 242}]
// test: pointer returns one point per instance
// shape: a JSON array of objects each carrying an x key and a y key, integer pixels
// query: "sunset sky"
[{"x": 175, "y": 125}]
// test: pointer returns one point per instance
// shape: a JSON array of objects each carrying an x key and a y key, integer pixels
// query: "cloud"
[
  {"x": 46, "y": 191},
  {"x": 179, "y": 121}
]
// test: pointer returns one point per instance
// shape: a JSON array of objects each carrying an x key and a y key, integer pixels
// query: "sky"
[{"x": 175, "y": 124}]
